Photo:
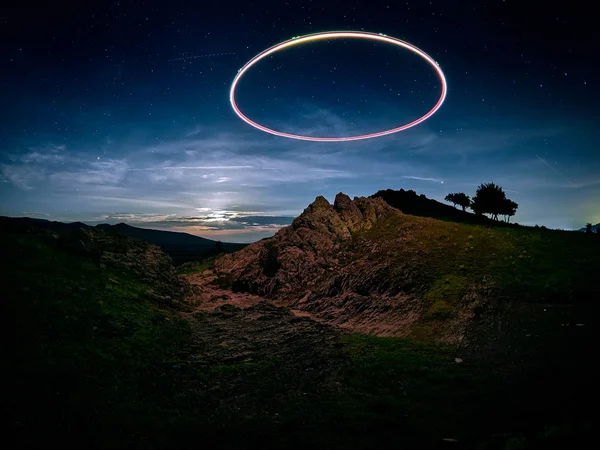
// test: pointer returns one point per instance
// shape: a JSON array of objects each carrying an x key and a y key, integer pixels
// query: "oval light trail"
[{"x": 334, "y": 35}]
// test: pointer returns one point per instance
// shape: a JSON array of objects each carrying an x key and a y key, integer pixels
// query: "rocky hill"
[
  {"x": 364, "y": 265},
  {"x": 291, "y": 261}
]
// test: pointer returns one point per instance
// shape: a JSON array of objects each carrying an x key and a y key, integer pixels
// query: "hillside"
[
  {"x": 114, "y": 350},
  {"x": 367, "y": 266},
  {"x": 411, "y": 203},
  {"x": 181, "y": 247}
]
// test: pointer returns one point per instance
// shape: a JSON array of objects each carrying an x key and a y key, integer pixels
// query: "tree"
[
  {"x": 489, "y": 198},
  {"x": 509, "y": 209},
  {"x": 588, "y": 228},
  {"x": 476, "y": 207},
  {"x": 459, "y": 198},
  {"x": 512, "y": 210}
]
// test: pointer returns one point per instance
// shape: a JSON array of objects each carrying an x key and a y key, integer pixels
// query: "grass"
[
  {"x": 445, "y": 293},
  {"x": 197, "y": 266},
  {"x": 88, "y": 341},
  {"x": 442, "y": 259}
]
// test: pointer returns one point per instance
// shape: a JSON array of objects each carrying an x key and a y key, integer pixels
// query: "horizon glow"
[{"x": 333, "y": 35}]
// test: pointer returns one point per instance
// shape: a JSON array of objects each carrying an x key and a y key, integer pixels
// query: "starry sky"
[{"x": 119, "y": 111}]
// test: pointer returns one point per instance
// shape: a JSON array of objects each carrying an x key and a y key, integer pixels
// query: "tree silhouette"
[
  {"x": 588, "y": 228},
  {"x": 512, "y": 210},
  {"x": 459, "y": 198},
  {"x": 476, "y": 207},
  {"x": 490, "y": 199},
  {"x": 452, "y": 199},
  {"x": 509, "y": 209}
]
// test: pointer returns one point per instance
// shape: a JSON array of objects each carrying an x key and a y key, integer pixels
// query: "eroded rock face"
[
  {"x": 298, "y": 256},
  {"x": 325, "y": 265}
]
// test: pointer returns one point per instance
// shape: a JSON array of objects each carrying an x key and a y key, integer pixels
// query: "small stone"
[{"x": 458, "y": 360}]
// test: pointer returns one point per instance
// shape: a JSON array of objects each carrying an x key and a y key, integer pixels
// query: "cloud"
[
  {"x": 244, "y": 235},
  {"x": 36, "y": 157},
  {"x": 190, "y": 168},
  {"x": 23, "y": 177},
  {"x": 263, "y": 220},
  {"x": 149, "y": 202},
  {"x": 98, "y": 173},
  {"x": 230, "y": 180},
  {"x": 32, "y": 213},
  {"x": 436, "y": 180}
]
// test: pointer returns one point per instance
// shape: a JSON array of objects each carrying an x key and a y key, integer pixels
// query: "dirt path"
[
  {"x": 207, "y": 296},
  {"x": 231, "y": 327}
]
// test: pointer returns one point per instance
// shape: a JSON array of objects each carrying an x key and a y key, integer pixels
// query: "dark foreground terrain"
[{"x": 109, "y": 347}]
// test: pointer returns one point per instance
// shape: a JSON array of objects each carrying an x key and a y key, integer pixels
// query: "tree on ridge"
[
  {"x": 489, "y": 198},
  {"x": 459, "y": 198},
  {"x": 509, "y": 209}
]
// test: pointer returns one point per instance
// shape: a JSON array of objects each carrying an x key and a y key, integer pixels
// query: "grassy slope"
[
  {"x": 89, "y": 344},
  {"x": 525, "y": 264},
  {"x": 95, "y": 358}
]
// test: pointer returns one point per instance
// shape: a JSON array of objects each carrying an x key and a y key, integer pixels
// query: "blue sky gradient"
[{"x": 122, "y": 115}]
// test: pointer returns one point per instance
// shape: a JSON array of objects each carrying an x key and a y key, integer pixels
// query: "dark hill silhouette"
[
  {"x": 595, "y": 228},
  {"x": 24, "y": 224},
  {"x": 409, "y": 202},
  {"x": 181, "y": 247}
]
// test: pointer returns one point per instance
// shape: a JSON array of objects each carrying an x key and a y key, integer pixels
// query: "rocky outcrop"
[
  {"x": 358, "y": 264},
  {"x": 298, "y": 257}
]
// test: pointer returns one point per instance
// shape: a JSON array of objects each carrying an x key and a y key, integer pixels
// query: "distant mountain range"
[{"x": 181, "y": 247}]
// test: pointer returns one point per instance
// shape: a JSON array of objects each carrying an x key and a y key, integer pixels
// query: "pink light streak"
[{"x": 334, "y": 35}]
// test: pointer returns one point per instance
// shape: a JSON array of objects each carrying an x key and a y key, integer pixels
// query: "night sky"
[{"x": 119, "y": 111}]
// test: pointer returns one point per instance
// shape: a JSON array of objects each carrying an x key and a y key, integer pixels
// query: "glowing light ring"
[{"x": 332, "y": 35}]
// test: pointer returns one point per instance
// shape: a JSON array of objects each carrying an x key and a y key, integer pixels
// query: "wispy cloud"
[
  {"x": 23, "y": 177},
  {"x": 34, "y": 214},
  {"x": 229, "y": 180},
  {"x": 104, "y": 201},
  {"x": 436, "y": 180},
  {"x": 146, "y": 169}
]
